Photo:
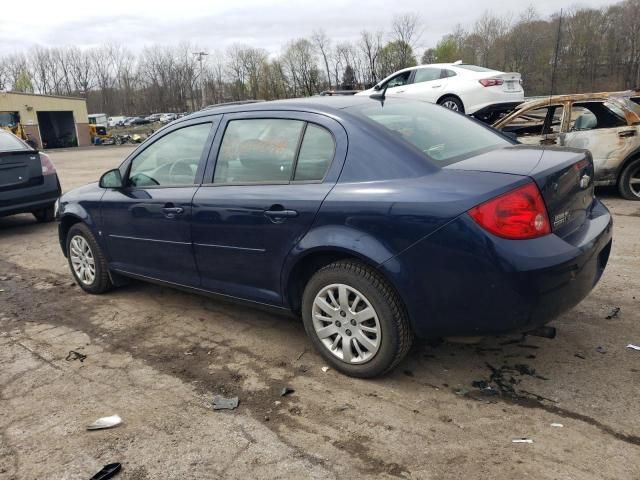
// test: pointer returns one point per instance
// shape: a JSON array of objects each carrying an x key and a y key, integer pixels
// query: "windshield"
[{"x": 444, "y": 136}]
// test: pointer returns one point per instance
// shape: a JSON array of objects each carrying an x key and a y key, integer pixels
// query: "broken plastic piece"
[
  {"x": 522, "y": 440},
  {"x": 601, "y": 350},
  {"x": 73, "y": 355},
  {"x": 105, "y": 422},
  {"x": 286, "y": 391},
  {"x": 559, "y": 425},
  {"x": 108, "y": 471},
  {"x": 633, "y": 347},
  {"x": 222, "y": 403},
  {"x": 325, "y": 369}
]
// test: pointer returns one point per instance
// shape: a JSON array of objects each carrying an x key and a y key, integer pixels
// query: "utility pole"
[{"x": 201, "y": 56}]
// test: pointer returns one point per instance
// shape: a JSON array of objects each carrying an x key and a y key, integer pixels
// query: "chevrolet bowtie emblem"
[{"x": 584, "y": 181}]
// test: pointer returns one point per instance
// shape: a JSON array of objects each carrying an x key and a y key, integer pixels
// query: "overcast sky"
[{"x": 215, "y": 24}]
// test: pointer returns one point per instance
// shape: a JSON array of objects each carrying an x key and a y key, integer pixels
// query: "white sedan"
[{"x": 469, "y": 89}]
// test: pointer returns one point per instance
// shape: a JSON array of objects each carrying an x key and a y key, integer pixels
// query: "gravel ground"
[{"x": 157, "y": 357}]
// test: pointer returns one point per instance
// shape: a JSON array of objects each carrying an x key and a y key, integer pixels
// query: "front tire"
[
  {"x": 86, "y": 260},
  {"x": 452, "y": 103},
  {"x": 355, "y": 319},
  {"x": 629, "y": 183}
]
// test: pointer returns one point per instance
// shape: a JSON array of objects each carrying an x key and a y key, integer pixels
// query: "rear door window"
[
  {"x": 427, "y": 75},
  {"x": 316, "y": 154},
  {"x": 276, "y": 151},
  {"x": 596, "y": 115}
]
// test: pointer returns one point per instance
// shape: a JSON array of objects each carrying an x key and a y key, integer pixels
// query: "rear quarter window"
[{"x": 9, "y": 143}]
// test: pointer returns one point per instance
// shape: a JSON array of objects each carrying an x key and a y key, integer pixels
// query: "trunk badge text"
[{"x": 561, "y": 218}]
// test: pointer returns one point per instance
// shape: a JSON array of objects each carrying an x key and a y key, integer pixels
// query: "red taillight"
[
  {"x": 517, "y": 215},
  {"x": 47, "y": 165},
  {"x": 491, "y": 82}
]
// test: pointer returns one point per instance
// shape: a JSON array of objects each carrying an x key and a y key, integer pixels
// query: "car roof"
[{"x": 319, "y": 104}]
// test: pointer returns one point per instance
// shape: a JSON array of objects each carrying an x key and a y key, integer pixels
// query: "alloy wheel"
[
  {"x": 82, "y": 260},
  {"x": 451, "y": 105},
  {"x": 634, "y": 181},
  {"x": 346, "y": 323}
]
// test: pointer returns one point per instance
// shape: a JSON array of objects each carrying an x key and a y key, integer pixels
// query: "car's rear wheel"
[
  {"x": 452, "y": 103},
  {"x": 629, "y": 183},
  {"x": 86, "y": 260},
  {"x": 355, "y": 319},
  {"x": 45, "y": 215}
]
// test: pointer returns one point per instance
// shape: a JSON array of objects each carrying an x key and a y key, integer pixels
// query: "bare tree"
[{"x": 323, "y": 44}]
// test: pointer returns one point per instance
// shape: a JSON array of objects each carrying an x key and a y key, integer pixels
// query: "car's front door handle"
[
  {"x": 171, "y": 212},
  {"x": 627, "y": 133},
  {"x": 436, "y": 86}
]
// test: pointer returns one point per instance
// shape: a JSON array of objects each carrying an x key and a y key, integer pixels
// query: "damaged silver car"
[{"x": 606, "y": 124}]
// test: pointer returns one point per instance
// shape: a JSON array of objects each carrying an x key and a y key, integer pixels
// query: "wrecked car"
[
  {"x": 375, "y": 220},
  {"x": 606, "y": 124}
]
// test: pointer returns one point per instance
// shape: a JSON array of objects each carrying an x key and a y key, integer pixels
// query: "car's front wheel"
[
  {"x": 355, "y": 319},
  {"x": 86, "y": 260},
  {"x": 629, "y": 183}
]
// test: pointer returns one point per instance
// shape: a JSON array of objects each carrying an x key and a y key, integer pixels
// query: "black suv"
[{"x": 28, "y": 180}]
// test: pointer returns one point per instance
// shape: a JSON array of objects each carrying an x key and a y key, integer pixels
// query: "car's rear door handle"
[
  {"x": 281, "y": 213},
  {"x": 627, "y": 133}
]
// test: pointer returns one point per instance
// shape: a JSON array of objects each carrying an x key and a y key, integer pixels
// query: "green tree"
[
  {"x": 23, "y": 83},
  {"x": 395, "y": 56},
  {"x": 447, "y": 50}
]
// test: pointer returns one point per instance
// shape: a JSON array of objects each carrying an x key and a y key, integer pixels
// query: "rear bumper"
[
  {"x": 463, "y": 281},
  {"x": 28, "y": 199}
]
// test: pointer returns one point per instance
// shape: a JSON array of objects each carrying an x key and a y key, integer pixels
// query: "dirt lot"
[{"x": 157, "y": 357}]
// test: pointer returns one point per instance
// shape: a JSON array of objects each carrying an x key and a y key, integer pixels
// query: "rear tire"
[
  {"x": 45, "y": 215},
  {"x": 371, "y": 322},
  {"x": 629, "y": 182},
  {"x": 452, "y": 103},
  {"x": 86, "y": 260}
]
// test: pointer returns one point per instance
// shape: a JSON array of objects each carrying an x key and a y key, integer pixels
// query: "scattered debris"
[
  {"x": 300, "y": 356},
  {"x": 601, "y": 350},
  {"x": 503, "y": 381},
  {"x": 105, "y": 422},
  {"x": 522, "y": 440},
  {"x": 73, "y": 355},
  {"x": 108, "y": 471},
  {"x": 266, "y": 418},
  {"x": 614, "y": 313},
  {"x": 1, "y": 290},
  {"x": 222, "y": 403},
  {"x": 633, "y": 347},
  {"x": 579, "y": 355},
  {"x": 188, "y": 353},
  {"x": 559, "y": 425},
  {"x": 325, "y": 369},
  {"x": 277, "y": 402},
  {"x": 286, "y": 391},
  {"x": 461, "y": 392}
]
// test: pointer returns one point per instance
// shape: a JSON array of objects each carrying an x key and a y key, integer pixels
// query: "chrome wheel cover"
[
  {"x": 346, "y": 323},
  {"x": 82, "y": 261}
]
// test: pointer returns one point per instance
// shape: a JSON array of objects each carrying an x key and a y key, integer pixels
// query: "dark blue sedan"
[{"x": 377, "y": 221}]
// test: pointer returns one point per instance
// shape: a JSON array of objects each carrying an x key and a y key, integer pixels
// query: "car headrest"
[{"x": 586, "y": 121}]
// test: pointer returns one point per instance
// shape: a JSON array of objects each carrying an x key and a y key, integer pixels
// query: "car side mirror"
[
  {"x": 111, "y": 179},
  {"x": 376, "y": 87}
]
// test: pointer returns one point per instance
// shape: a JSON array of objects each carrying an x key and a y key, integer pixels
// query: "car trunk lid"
[
  {"x": 18, "y": 169},
  {"x": 564, "y": 177}
]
